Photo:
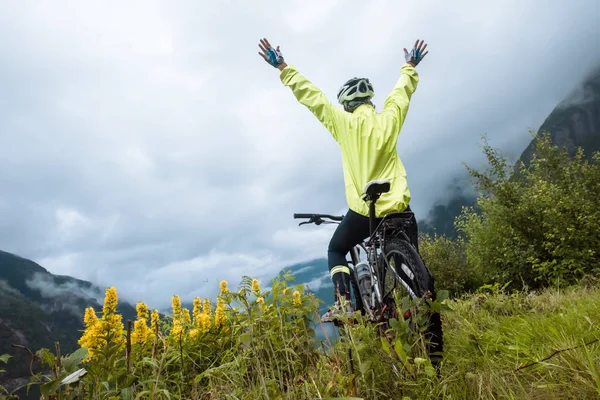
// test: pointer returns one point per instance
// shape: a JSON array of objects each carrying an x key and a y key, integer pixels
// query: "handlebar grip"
[{"x": 296, "y": 215}]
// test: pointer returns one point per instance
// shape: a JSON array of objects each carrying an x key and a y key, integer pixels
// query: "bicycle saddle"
[{"x": 376, "y": 188}]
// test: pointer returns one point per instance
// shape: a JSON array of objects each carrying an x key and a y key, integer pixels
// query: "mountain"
[
  {"x": 574, "y": 122},
  {"x": 440, "y": 218},
  {"x": 38, "y": 308}
]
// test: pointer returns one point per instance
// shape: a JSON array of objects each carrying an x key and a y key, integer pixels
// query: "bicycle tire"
[{"x": 420, "y": 283}]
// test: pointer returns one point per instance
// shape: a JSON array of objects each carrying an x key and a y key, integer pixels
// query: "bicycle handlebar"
[
  {"x": 331, "y": 217},
  {"x": 317, "y": 219}
]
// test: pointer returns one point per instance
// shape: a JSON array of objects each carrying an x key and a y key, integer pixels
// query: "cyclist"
[{"x": 367, "y": 141}]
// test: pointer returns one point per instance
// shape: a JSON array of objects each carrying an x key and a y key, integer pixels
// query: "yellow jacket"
[{"x": 367, "y": 139}]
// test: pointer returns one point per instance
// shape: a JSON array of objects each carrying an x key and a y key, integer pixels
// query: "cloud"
[
  {"x": 584, "y": 93},
  {"x": 323, "y": 281},
  {"x": 151, "y": 148},
  {"x": 68, "y": 293}
]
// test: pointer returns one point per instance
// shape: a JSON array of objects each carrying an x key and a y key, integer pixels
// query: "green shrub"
[
  {"x": 538, "y": 224},
  {"x": 446, "y": 258}
]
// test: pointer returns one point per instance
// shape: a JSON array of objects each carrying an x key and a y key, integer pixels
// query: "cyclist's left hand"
[
  {"x": 271, "y": 55},
  {"x": 416, "y": 55}
]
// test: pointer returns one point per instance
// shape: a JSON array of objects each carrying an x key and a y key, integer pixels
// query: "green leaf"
[
  {"x": 384, "y": 345},
  {"x": 126, "y": 393},
  {"x": 5, "y": 357},
  {"x": 442, "y": 295},
  {"x": 245, "y": 338},
  {"x": 395, "y": 324},
  {"x": 429, "y": 370},
  {"x": 399, "y": 350},
  {"x": 71, "y": 362},
  {"x": 49, "y": 387},
  {"x": 46, "y": 357}
]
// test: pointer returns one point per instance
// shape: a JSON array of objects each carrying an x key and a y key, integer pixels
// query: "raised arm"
[
  {"x": 304, "y": 90},
  {"x": 397, "y": 102}
]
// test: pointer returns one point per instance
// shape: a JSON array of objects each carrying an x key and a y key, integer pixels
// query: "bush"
[
  {"x": 538, "y": 224},
  {"x": 446, "y": 258}
]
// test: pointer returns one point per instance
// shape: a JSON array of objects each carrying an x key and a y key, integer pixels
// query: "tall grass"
[{"x": 257, "y": 344}]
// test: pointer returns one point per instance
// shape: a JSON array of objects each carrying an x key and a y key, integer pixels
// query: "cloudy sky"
[{"x": 146, "y": 145}]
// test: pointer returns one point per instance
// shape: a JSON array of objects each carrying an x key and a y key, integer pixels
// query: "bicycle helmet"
[{"x": 354, "y": 92}]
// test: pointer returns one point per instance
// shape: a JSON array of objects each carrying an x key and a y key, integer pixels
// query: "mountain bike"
[{"x": 392, "y": 263}]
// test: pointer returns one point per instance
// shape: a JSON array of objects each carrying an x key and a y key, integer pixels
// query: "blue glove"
[
  {"x": 416, "y": 55},
  {"x": 269, "y": 54},
  {"x": 275, "y": 57}
]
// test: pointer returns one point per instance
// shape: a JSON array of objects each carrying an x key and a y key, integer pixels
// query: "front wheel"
[{"x": 402, "y": 270}]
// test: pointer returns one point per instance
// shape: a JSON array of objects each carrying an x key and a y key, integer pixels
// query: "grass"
[
  {"x": 498, "y": 346},
  {"x": 495, "y": 343}
]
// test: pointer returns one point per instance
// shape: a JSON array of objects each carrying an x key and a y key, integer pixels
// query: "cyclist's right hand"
[
  {"x": 416, "y": 55},
  {"x": 272, "y": 56}
]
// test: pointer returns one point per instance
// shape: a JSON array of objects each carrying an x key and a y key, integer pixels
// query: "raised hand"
[
  {"x": 269, "y": 54},
  {"x": 416, "y": 55}
]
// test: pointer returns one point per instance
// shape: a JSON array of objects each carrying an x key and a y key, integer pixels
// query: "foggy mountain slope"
[
  {"x": 575, "y": 121},
  {"x": 38, "y": 308}
]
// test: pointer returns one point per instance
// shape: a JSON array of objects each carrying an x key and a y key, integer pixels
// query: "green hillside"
[{"x": 38, "y": 308}]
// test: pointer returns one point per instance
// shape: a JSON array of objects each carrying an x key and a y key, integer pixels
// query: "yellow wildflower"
[
  {"x": 90, "y": 318},
  {"x": 155, "y": 321},
  {"x": 204, "y": 322},
  {"x": 110, "y": 301},
  {"x": 109, "y": 324},
  {"x": 141, "y": 332},
  {"x": 111, "y": 321},
  {"x": 142, "y": 310},
  {"x": 223, "y": 287},
  {"x": 89, "y": 337},
  {"x": 194, "y": 333},
  {"x": 176, "y": 328},
  {"x": 260, "y": 301},
  {"x": 185, "y": 317},
  {"x": 220, "y": 316},
  {"x": 197, "y": 310},
  {"x": 113, "y": 324},
  {"x": 255, "y": 287},
  {"x": 176, "y": 305},
  {"x": 204, "y": 318},
  {"x": 206, "y": 309},
  {"x": 297, "y": 299}
]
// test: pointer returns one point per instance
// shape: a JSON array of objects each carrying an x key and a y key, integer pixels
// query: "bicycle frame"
[{"x": 373, "y": 247}]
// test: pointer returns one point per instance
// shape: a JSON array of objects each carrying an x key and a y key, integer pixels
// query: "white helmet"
[{"x": 355, "y": 88}]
